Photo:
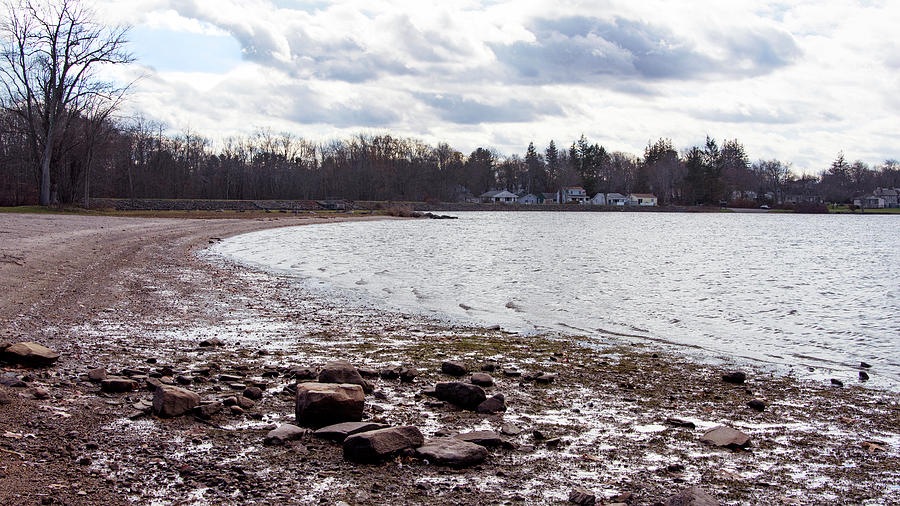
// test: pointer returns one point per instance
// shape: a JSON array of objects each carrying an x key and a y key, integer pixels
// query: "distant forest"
[
  {"x": 136, "y": 159},
  {"x": 60, "y": 142}
]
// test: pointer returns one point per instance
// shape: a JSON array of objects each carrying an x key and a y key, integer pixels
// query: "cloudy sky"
[{"x": 796, "y": 80}]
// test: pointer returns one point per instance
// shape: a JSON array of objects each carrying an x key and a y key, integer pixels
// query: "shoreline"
[{"x": 144, "y": 294}]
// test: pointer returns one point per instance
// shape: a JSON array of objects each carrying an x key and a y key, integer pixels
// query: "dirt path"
[{"x": 131, "y": 296}]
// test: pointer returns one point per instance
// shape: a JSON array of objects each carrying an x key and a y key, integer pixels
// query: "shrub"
[
  {"x": 810, "y": 208},
  {"x": 743, "y": 204}
]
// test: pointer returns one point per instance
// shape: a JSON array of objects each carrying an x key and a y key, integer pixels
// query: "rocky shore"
[{"x": 135, "y": 370}]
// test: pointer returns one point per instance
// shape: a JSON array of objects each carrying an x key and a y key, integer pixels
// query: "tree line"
[{"x": 60, "y": 142}]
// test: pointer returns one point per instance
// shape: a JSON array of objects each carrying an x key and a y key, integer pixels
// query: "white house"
[
  {"x": 641, "y": 199},
  {"x": 891, "y": 196},
  {"x": 503, "y": 196},
  {"x": 528, "y": 199},
  {"x": 869, "y": 202},
  {"x": 547, "y": 198},
  {"x": 575, "y": 194},
  {"x": 615, "y": 199},
  {"x": 599, "y": 200}
]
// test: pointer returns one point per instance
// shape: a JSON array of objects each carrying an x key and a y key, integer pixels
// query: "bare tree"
[{"x": 51, "y": 52}]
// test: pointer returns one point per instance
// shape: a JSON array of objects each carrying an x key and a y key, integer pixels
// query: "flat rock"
[
  {"x": 285, "y": 432},
  {"x": 545, "y": 378},
  {"x": 376, "y": 445},
  {"x": 582, "y": 497},
  {"x": 117, "y": 384},
  {"x": 12, "y": 381},
  {"x": 495, "y": 404},
  {"x": 340, "y": 371},
  {"x": 480, "y": 437},
  {"x": 367, "y": 372},
  {"x": 321, "y": 404},
  {"x": 693, "y": 496},
  {"x": 454, "y": 368},
  {"x": 208, "y": 410},
  {"x": 97, "y": 375},
  {"x": 390, "y": 373},
  {"x": 302, "y": 373},
  {"x": 211, "y": 342},
  {"x": 453, "y": 452},
  {"x": 340, "y": 431},
  {"x": 734, "y": 377},
  {"x": 30, "y": 354},
  {"x": 510, "y": 429},
  {"x": 464, "y": 395},
  {"x": 726, "y": 436},
  {"x": 170, "y": 401},
  {"x": 482, "y": 379}
]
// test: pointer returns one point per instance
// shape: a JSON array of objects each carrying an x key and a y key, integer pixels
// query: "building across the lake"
[
  {"x": 499, "y": 196},
  {"x": 574, "y": 194},
  {"x": 615, "y": 199},
  {"x": 641, "y": 199}
]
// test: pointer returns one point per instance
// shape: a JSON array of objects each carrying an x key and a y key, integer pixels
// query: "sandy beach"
[{"x": 137, "y": 296}]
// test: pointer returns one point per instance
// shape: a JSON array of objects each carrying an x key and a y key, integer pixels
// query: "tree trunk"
[{"x": 45, "y": 170}]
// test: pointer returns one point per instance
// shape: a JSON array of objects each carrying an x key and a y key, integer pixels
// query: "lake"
[{"x": 818, "y": 292}]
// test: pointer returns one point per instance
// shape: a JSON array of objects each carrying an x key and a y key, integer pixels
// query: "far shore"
[{"x": 625, "y": 421}]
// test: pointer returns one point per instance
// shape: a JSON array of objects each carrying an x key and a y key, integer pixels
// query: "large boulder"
[
  {"x": 169, "y": 401},
  {"x": 494, "y": 404},
  {"x": 480, "y": 437},
  {"x": 692, "y": 496},
  {"x": 118, "y": 384},
  {"x": 726, "y": 436},
  {"x": 454, "y": 368},
  {"x": 321, "y": 404},
  {"x": 340, "y": 431},
  {"x": 453, "y": 452},
  {"x": 582, "y": 497},
  {"x": 341, "y": 371},
  {"x": 482, "y": 379},
  {"x": 30, "y": 354},
  {"x": 286, "y": 432},
  {"x": 464, "y": 395},
  {"x": 381, "y": 444}
]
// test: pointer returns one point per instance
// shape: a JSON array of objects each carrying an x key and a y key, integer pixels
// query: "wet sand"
[{"x": 133, "y": 293}]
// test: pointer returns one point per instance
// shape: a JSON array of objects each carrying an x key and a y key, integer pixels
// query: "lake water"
[{"x": 791, "y": 290}]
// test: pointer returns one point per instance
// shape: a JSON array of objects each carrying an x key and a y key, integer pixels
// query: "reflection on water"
[{"x": 783, "y": 288}]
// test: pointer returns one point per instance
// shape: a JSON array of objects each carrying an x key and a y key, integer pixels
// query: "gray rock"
[
  {"x": 208, "y": 410},
  {"x": 211, "y": 342},
  {"x": 340, "y": 431},
  {"x": 343, "y": 372},
  {"x": 390, "y": 373},
  {"x": 757, "y": 404},
  {"x": 30, "y": 354},
  {"x": 448, "y": 451},
  {"x": 169, "y": 401},
  {"x": 734, "y": 377},
  {"x": 302, "y": 373},
  {"x": 408, "y": 374},
  {"x": 453, "y": 368},
  {"x": 836, "y": 382},
  {"x": 545, "y": 378},
  {"x": 482, "y": 379},
  {"x": 286, "y": 432},
  {"x": 480, "y": 437},
  {"x": 582, "y": 497},
  {"x": 254, "y": 393},
  {"x": 5, "y": 398},
  {"x": 367, "y": 372},
  {"x": 863, "y": 376},
  {"x": 116, "y": 384},
  {"x": 495, "y": 404},
  {"x": 510, "y": 429},
  {"x": 381, "y": 444},
  {"x": 726, "y": 436},
  {"x": 12, "y": 381},
  {"x": 489, "y": 367},
  {"x": 321, "y": 404},
  {"x": 693, "y": 496},
  {"x": 464, "y": 395},
  {"x": 97, "y": 375}
]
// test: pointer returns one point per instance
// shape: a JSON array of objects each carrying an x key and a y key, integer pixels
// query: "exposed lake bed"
[{"x": 616, "y": 419}]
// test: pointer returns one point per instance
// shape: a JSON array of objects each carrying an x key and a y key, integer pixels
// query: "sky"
[{"x": 794, "y": 80}]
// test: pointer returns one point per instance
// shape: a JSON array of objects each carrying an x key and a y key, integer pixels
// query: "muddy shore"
[{"x": 135, "y": 297}]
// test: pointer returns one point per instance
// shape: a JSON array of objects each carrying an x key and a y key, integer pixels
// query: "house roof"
[
  {"x": 615, "y": 196},
  {"x": 504, "y": 194},
  {"x": 644, "y": 195},
  {"x": 490, "y": 193},
  {"x": 573, "y": 188}
]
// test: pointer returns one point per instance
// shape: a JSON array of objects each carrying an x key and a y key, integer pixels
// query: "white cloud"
[{"x": 795, "y": 80}]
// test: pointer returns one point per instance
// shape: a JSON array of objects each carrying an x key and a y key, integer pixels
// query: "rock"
[
  {"x": 757, "y": 404},
  {"x": 321, "y": 404},
  {"x": 230, "y": 378},
  {"x": 482, "y": 379},
  {"x": 408, "y": 374},
  {"x": 493, "y": 327},
  {"x": 40, "y": 393},
  {"x": 367, "y": 372},
  {"x": 5, "y": 398},
  {"x": 510, "y": 429},
  {"x": 30, "y": 354},
  {"x": 452, "y": 452},
  {"x": 213, "y": 341},
  {"x": 727, "y": 437},
  {"x": 302, "y": 373},
  {"x": 169, "y": 401},
  {"x": 582, "y": 497},
  {"x": 183, "y": 380},
  {"x": 97, "y": 375},
  {"x": 545, "y": 378},
  {"x": 117, "y": 384},
  {"x": 512, "y": 373},
  {"x": 480, "y": 437},
  {"x": 343, "y": 372},
  {"x": 380, "y": 444},
  {"x": 340, "y": 431},
  {"x": 495, "y": 404},
  {"x": 286, "y": 432},
  {"x": 254, "y": 393},
  {"x": 10, "y": 380},
  {"x": 865, "y": 365},
  {"x": 208, "y": 410},
  {"x": 236, "y": 410},
  {"x": 693, "y": 496},
  {"x": 453, "y": 368},
  {"x": 390, "y": 373},
  {"x": 836, "y": 382},
  {"x": 464, "y": 395},
  {"x": 863, "y": 376},
  {"x": 489, "y": 367},
  {"x": 678, "y": 422},
  {"x": 736, "y": 377}
]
